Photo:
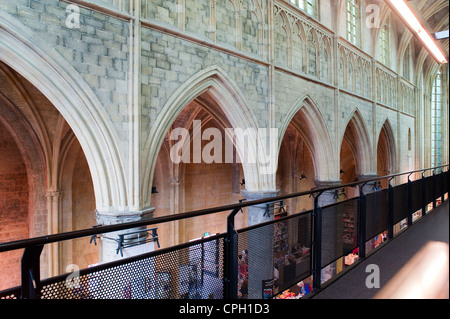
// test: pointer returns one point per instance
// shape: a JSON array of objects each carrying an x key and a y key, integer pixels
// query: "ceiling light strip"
[{"x": 414, "y": 24}]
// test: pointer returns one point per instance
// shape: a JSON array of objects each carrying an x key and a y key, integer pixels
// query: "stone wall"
[{"x": 132, "y": 66}]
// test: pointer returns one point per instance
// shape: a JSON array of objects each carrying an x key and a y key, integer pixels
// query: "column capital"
[
  {"x": 370, "y": 187},
  {"x": 327, "y": 197},
  {"x": 322, "y": 184},
  {"x": 254, "y": 195},
  {"x": 54, "y": 195},
  {"x": 258, "y": 213},
  {"x": 362, "y": 177},
  {"x": 112, "y": 218}
]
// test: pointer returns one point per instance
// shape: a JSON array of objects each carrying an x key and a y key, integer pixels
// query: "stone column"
[
  {"x": 117, "y": 281},
  {"x": 260, "y": 243},
  {"x": 174, "y": 209},
  {"x": 369, "y": 187},
  {"x": 53, "y": 209},
  {"x": 108, "y": 243},
  {"x": 327, "y": 197}
]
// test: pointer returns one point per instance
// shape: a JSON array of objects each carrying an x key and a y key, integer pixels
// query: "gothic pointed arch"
[
  {"x": 64, "y": 87},
  {"x": 357, "y": 136},
  {"x": 386, "y": 149},
  {"x": 218, "y": 86},
  {"x": 308, "y": 120}
]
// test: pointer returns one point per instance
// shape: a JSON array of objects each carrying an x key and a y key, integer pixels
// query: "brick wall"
[
  {"x": 83, "y": 208},
  {"x": 13, "y": 207}
]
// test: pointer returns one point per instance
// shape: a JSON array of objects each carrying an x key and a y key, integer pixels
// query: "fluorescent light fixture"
[{"x": 406, "y": 13}]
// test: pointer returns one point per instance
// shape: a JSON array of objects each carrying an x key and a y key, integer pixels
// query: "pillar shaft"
[
  {"x": 108, "y": 242},
  {"x": 369, "y": 187},
  {"x": 260, "y": 244},
  {"x": 332, "y": 226}
]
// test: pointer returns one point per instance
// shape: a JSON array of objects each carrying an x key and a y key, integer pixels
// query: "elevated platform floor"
[{"x": 391, "y": 257}]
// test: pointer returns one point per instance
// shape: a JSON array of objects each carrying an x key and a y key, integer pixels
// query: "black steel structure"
[{"x": 241, "y": 263}]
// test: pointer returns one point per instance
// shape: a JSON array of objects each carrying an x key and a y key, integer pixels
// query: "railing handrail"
[{"x": 48, "y": 239}]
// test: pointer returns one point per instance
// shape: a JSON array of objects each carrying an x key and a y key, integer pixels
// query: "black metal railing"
[{"x": 254, "y": 262}]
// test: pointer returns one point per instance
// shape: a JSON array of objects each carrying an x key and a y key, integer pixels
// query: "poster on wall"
[{"x": 267, "y": 288}]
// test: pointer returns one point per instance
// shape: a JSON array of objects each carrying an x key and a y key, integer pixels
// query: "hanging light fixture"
[{"x": 303, "y": 176}]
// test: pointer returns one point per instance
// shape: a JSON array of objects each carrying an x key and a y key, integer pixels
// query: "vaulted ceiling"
[{"x": 435, "y": 15}]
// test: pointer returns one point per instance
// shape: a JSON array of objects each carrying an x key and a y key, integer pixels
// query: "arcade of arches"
[{"x": 87, "y": 116}]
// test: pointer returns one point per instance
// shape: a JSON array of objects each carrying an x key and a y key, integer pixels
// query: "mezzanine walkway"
[{"x": 391, "y": 257}]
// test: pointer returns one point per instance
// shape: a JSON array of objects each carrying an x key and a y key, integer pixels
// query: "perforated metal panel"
[
  {"x": 400, "y": 202},
  {"x": 193, "y": 272},
  {"x": 274, "y": 257},
  {"x": 376, "y": 213},
  {"x": 13, "y": 293},
  {"x": 416, "y": 195},
  {"x": 339, "y": 230}
]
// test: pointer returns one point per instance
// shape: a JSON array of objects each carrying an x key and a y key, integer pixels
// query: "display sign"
[{"x": 267, "y": 288}]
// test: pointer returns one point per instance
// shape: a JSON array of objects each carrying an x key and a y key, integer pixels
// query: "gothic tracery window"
[
  {"x": 436, "y": 109},
  {"x": 352, "y": 22},
  {"x": 309, "y": 6},
  {"x": 384, "y": 44}
]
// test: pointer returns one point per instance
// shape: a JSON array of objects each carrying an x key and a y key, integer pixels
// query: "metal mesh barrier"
[
  {"x": 12, "y": 293},
  {"x": 274, "y": 257},
  {"x": 400, "y": 202},
  {"x": 193, "y": 272},
  {"x": 376, "y": 213},
  {"x": 428, "y": 189},
  {"x": 416, "y": 195},
  {"x": 439, "y": 185},
  {"x": 339, "y": 230},
  {"x": 446, "y": 182}
]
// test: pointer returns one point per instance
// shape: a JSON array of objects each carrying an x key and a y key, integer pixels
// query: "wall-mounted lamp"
[
  {"x": 337, "y": 193},
  {"x": 341, "y": 171},
  {"x": 154, "y": 191},
  {"x": 303, "y": 176},
  {"x": 356, "y": 180},
  {"x": 243, "y": 182}
]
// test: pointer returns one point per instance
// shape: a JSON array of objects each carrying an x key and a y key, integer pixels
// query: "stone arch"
[
  {"x": 227, "y": 95},
  {"x": 326, "y": 59},
  {"x": 283, "y": 39},
  {"x": 64, "y": 87},
  {"x": 312, "y": 52},
  {"x": 357, "y": 134},
  {"x": 298, "y": 47},
  {"x": 386, "y": 150},
  {"x": 254, "y": 22},
  {"x": 315, "y": 134},
  {"x": 359, "y": 76},
  {"x": 27, "y": 186},
  {"x": 351, "y": 69},
  {"x": 342, "y": 67}
]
